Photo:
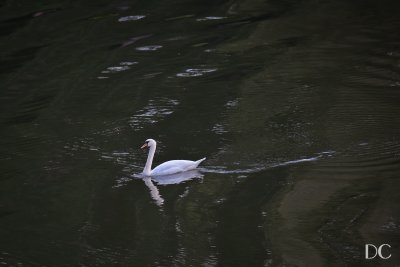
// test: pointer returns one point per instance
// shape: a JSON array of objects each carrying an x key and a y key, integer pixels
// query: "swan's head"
[{"x": 149, "y": 143}]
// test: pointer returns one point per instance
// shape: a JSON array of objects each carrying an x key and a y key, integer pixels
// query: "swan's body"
[{"x": 168, "y": 167}]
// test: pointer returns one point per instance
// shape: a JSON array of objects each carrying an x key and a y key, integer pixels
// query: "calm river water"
[{"x": 295, "y": 104}]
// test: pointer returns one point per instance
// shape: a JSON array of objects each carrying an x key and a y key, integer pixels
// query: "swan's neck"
[{"x": 147, "y": 168}]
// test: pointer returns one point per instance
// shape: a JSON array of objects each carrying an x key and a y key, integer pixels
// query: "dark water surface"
[{"x": 295, "y": 104}]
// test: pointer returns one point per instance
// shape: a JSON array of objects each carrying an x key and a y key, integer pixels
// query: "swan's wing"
[
  {"x": 167, "y": 171},
  {"x": 173, "y": 166}
]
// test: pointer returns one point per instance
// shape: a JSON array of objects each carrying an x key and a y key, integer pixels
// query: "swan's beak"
[{"x": 144, "y": 146}]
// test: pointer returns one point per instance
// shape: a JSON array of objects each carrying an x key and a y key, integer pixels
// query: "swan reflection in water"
[{"x": 175, "y": 178}]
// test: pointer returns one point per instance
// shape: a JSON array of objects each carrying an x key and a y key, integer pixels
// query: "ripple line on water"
[
  {"x": 259, "y": 168},
  {"x": 131, "y": 18},
  {"x": 195, "y": 72}
]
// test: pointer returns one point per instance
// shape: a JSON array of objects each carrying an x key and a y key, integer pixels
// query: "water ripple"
[
  {"x": 123, "y": 66},
  {"x": 210, "y": 18},
  {"x": 149, "y": 48},
  {"x": 195, "y": 72},
  {"x": 115, "y": 69},
  {"x": 364, "y": 157},
  {"x": 154, "y": 111},
  {"x": 131, "y": 18},
  {"x": 262, "y": 167}
]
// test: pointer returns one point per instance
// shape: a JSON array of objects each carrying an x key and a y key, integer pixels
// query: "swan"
[{"x": 168, "y": 167}]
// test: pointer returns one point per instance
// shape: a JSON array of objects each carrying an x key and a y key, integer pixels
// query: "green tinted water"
[{"x": 294, "y": 104}]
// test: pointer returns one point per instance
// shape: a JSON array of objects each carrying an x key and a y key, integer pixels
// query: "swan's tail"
[{"x": 199, "y": 161}]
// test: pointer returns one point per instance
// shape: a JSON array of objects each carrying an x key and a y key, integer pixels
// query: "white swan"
[{"x": 169, "y": 167}]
